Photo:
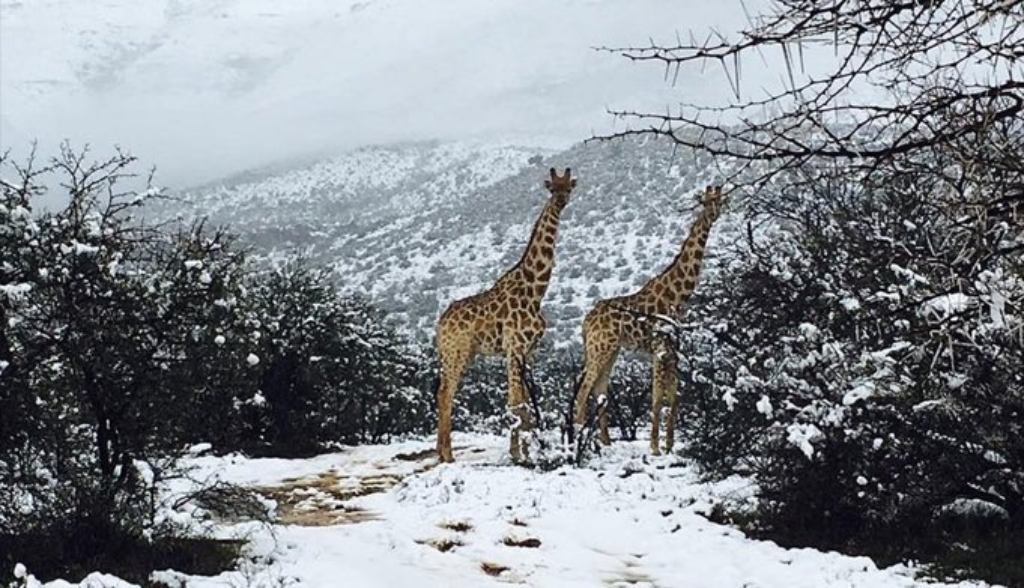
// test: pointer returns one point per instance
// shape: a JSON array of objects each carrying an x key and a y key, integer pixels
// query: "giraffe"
[
  {"x": 626, "y": 322},
  {"x": 503, "y": 321}
]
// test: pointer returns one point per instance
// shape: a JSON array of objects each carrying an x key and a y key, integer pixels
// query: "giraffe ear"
[
  {"x": 572, "y": 182},
  {"x": 547, "y": 184}
]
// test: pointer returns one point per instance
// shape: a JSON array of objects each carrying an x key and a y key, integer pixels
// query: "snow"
[
  {"x": 199, "y": 448},
  {"x": 946, "y": 305},
  {"x": 626, "y": 519},
  {"x": 93, "y": 580},
  {"x": 15, "y": 291},
  {"x": 861, "y": 391},
  {"x": 252, "y": 359},
  {"x": 729, "y": 399},
  {"x": 809, "y": 331},
  {"x": 801, "y": 435},
  {"x": 79, "y": 248}
]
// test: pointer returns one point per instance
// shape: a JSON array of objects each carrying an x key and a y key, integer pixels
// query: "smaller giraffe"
[
  {"x": 503, "y": 321},
  {"x": 628, "y": 322}
]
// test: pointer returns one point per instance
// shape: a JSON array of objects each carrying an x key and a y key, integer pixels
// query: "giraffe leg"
[
  {"x": 666, "y": 383},
  {"x": 518, "y": 407},
  {"x": 596, "y": 369},
  {"x": 658, "y": 389},
  {"x": 606, "y": 438},
  {"x": 602, "y": 389},
  {"x": 455, "y": 357},
  {"x": 520, "y": 349},
  {"x": 671, "y": 371}
]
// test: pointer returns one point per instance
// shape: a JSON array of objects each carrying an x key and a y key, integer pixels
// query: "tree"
[
  {"x": 104, "y": 320},
  {"x": 946, "y": 69},
  {"x": 331, "y": 367}
]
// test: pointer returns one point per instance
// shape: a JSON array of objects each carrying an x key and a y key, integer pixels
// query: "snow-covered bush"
[
  {"x": 101, "y": 316},
  {"x": 329, "y": 368},
  {"x": 862, "y": 350},
  {"x": 122, "y": 344}
]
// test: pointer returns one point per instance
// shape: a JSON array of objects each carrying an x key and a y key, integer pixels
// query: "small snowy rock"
[
  {"x": 219, "y": 340},
  {"x": 20, "y": 572},
  {"x": 252, "y": 359},
  {"x": 764, "y": 406}
]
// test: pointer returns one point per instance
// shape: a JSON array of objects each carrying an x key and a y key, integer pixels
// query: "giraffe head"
[
  {"x": 712, "y": 200},
  {"x": 560, "y": 186}
]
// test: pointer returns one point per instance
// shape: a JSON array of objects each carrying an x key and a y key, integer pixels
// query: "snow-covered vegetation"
[{"x": 233, "y": 383}]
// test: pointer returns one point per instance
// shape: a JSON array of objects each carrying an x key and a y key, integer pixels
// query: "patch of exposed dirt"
[
  {"x": 458, "y": 526},
  {"x": 442, "y": 545},
  {"x": 416, "y": 455},
  {"x": 321, "y": 500},
  {"x": 326, "y": 517},
  {"x": 493, "y": 569},
  {"x": 531, "y": 542}
]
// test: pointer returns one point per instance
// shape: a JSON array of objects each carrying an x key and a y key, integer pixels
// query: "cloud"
[{"x": 206, "y": 88}]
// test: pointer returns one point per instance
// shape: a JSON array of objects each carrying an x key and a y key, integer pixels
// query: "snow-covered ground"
[{"x": 389, "y": 516}]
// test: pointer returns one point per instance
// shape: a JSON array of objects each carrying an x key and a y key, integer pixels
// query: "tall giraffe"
[
  {"x": 502, "y": 321},
  {"x": 626, "y": 322}
]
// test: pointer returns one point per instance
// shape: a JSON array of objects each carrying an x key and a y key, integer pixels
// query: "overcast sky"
[{"x": 204, "y": 88}]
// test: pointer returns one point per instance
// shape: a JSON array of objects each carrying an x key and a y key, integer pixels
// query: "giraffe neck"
[
  {"x": 534, "y": 268},
  {"x": 673, "y": 287}
]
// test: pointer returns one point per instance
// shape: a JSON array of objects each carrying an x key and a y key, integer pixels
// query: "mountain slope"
[{"x": 415, "y": 226}]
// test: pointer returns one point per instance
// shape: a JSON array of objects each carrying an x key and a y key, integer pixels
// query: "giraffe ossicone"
[{"x": 504, "y": 320}]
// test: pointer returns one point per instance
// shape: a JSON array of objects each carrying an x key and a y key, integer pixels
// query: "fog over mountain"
[{"x": 207, "y": 88}]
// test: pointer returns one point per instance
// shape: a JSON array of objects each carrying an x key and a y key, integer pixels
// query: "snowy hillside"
[{"x": 416, "y": 226}]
